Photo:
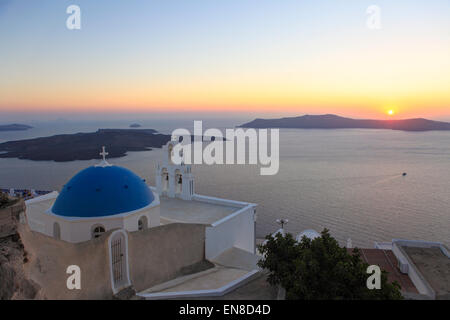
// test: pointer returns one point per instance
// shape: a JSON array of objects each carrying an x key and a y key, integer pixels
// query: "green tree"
[{"x": 320, "y": 269}]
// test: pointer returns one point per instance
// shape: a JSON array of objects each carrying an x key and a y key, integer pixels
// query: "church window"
[
  {"x": 142, "y": 223},
  {"x": 98, "y": 231}
]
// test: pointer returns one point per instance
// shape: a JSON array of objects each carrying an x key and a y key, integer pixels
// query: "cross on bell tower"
[{"x": 103, "y": 163}]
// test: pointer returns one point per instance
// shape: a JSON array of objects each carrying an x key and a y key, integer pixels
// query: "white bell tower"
[{"x": 172, "y": 180}]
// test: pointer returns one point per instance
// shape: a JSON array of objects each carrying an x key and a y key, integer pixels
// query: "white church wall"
[
  {"x": 81, "y": 230},
  {"x": 154, "y": 219},
  {"x": 36, "y": 217},
  {"x": 236, "y": 230},
  {"x": 153, "y": 215},
  {"x": 220, "y": 201},
  {"x": 131, "y": 221},
  {"x": 77, "y": 230},
  {"x": 73, "y": 231}
]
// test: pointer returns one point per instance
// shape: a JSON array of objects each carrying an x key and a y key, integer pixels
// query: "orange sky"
[{"x": 220, "y": 65}]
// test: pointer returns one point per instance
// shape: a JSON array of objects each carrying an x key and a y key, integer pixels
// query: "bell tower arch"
[{"x": 173, "y": 180}]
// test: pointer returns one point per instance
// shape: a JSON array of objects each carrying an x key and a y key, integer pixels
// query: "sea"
[{"x": 349, "y": 181}]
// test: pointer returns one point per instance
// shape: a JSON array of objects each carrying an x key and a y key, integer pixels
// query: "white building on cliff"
[{"x": 125, "y": 234}]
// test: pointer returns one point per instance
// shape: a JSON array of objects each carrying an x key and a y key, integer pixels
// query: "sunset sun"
[{"x": 390, "y": 112}]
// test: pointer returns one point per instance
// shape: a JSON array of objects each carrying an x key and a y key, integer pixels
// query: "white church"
[{"x": 157, "y": 242}]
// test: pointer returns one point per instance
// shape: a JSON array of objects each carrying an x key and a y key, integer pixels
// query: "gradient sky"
[{"x": 258, "y": 56}]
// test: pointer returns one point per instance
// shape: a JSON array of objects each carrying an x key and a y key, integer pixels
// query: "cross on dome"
[
  {"x": 103, "y": 163},
  {"x": 104, "y": 153}
]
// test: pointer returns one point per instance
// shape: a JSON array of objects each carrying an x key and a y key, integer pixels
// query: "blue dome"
[{"x": 102, "y": 191}]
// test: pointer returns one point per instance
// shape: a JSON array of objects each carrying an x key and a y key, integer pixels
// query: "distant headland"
[
  {"x": 14, "y": 127},
  {"x": 330, "y": 121},
  {"x": 84, "y": 146}
]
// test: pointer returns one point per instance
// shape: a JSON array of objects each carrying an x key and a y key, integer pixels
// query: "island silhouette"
[
  {"x": 84, "y": 146},
  {"x": 14, "y": 127},
  {"x": 331, "y": 121}
]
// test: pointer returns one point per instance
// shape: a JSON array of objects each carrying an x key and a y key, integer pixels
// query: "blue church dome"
[{"x": 102, "y": 191}]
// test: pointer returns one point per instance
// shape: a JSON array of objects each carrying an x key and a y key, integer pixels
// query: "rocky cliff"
[{"x": 13, "y": 282}]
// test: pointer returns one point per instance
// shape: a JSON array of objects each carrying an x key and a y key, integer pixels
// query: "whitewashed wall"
[
  {"x": 77, "y": 230},
  {"x": 236, "y": 230}
]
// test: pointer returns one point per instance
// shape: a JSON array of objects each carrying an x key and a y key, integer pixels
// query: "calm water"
[{"x": 349, "y": 181}]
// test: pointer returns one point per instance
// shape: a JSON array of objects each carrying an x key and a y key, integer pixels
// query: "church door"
[{"x": 119, "y": 261}]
